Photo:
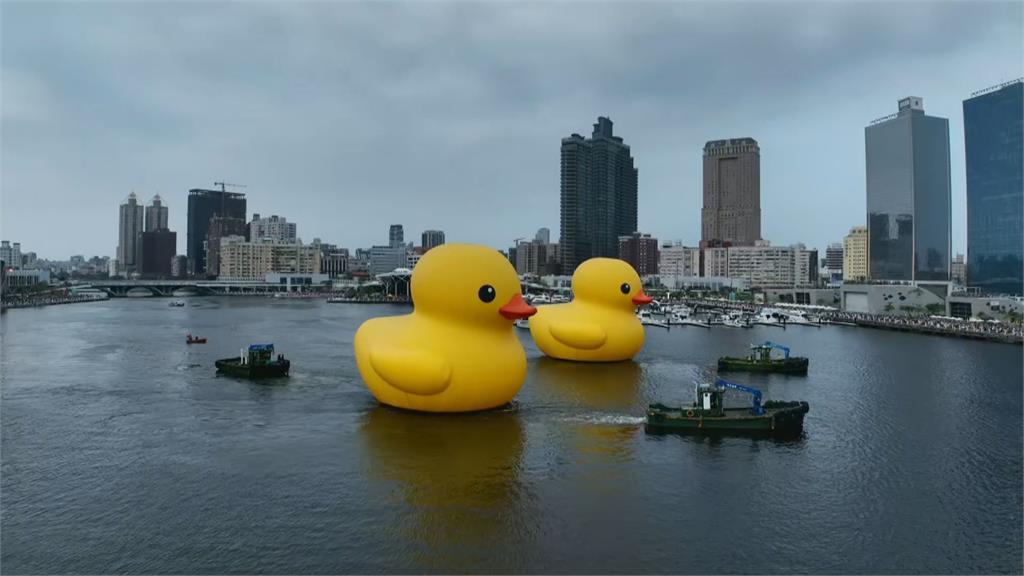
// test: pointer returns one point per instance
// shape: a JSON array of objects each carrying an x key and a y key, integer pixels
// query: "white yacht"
[
  {"x": 677, "y": 319},
  {"x": 734, "y": 319},
  {"x": 535, "y": 299},
  {"x": 771, "y": 317},
  {"x": 681, "y": 316},
  {"x": 646, "y": 319},
  {"x": 801, "y": 319}
]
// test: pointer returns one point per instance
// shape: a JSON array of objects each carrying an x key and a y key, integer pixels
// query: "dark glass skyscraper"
[
  {"x": 994, "y": 146},
  {"x": 599, "y": 195},
  {"x": 908, "y": 195},
  {"x": 203, "y": 205}
]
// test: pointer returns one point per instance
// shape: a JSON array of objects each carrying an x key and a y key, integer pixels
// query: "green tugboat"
[
  {"x": 709, "y": 416},
  {"x": 760, "y": 360},
  {"x": 258, "y": 363}
]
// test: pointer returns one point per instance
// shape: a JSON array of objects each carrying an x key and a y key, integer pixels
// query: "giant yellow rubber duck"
[
  {"x": 457, "y": 351},
  {"x": 600, "y": 324}
]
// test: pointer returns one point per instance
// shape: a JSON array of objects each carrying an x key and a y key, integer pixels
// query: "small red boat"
[{"x": 190, "y": 339}]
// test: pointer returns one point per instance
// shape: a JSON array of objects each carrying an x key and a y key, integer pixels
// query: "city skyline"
[{"x": 492, "y": 129}]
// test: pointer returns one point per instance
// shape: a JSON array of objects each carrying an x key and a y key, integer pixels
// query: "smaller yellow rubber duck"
[
  {"x": 457, "y": 351},
  {"x": 600, "y": 324}
]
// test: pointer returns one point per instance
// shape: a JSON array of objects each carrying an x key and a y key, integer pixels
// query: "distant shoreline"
[{"x": 893, "y": 323}]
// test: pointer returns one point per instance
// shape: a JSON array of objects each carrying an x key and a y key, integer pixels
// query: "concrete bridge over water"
[{"x": 124, "y": 288}]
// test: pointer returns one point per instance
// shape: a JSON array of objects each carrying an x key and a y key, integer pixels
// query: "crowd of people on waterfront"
[
  {"x": 45, "y": 298},
  {"x": 931, "y": 323}
]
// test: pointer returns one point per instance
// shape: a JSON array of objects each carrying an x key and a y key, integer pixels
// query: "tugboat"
[
  {"x": 707, "y": 415},
  {"x": 760, "y": 360},
  {"x": 190, "y": 339},
  {"x": 258, "y": 363}
]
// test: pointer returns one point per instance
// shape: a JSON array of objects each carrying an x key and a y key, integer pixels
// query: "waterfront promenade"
[
  {"x": 922, "y": 324},
  {"x": 51, "y": 298},
  {"x": 979, "y": 330}
]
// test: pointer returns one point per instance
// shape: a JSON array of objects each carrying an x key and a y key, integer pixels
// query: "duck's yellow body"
[
  {"x": 457, "y": 351},
  {"x": 600, "y": 324}
]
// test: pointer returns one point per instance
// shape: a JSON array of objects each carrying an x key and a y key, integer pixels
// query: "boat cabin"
[
  {"x": 708, "y": 399},
  {"x": 760, "y": 353},
  {"x": 260, "y": 354}
]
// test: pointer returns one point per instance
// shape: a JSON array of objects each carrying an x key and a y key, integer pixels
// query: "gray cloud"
[{"x": 346, "y": 117}]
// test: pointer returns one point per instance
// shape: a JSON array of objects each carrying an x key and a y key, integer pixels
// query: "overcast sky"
[{"x": 348, "y": 117}]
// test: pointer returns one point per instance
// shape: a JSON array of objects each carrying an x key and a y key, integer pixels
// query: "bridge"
[
  {"x": 122, "y": 288},
  {"x": 396, "y": 284}
]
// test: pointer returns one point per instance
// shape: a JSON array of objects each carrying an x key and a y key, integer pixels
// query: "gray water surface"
[{"x": 123, "y": 452}]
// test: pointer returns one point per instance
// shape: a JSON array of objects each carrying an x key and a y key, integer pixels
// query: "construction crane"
[
  {"x": 223, "y": 195},
  {"x": 756, "y": 409},
  {"x": 785, "y": 349},
  {"x": 224, "y": 184}
]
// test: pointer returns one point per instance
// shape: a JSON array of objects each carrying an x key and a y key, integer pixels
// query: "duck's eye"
[
  {"x": 625, "y": 288},
  {"x": 486, "y": 293}
]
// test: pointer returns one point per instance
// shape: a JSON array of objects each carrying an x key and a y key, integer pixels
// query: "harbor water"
[{"x": 123, "y": 452}]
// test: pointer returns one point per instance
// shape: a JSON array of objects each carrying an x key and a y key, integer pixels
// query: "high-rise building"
[
  {"x": 129, "y": 227},
  {"x": 958, "y": 270},
  {"x": 275, "y": 229},
  {"x": 763, "y": 265},
  {"x": 155, "y": 254},
  {"x": 244, "y": 260},
  {"x": 543, "y": 236},
  {"x": 396, "y": 236},
  {"x": 179, "y": 266},
  {"x": 994, "y": 147},
  {"x": 203, "y": 205},
  {"x": 432, "y": 239},
  {"x": 384, "y": 259},
  {"x": 834, "y": 263},
  {"x": 599, "y": 195},
  {"x": 7, "y": 255},
  {"x": 536, "y": 258},
  {"x": 834, "y": 257},
  {"x": 855, "y": 255},
  {"x": 678, "y": 261},
  {"x": 805, "y": 266},
  {"x": 640, "y": 251},
  {"x": 219, "y": 228},
  {"x": 908, "y": 195},
  {"x": 732, "y": 193},
  {"x": 334, "y": 263},
  {"x": 12, "y": 256},
  {"x": 156, "y": 215}
]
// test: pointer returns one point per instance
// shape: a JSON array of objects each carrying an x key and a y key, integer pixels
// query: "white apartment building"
[
  {"x": 275, "y": 229},
  {"x": 676, "y": 260},
  {"x": 242, "y": 260}
]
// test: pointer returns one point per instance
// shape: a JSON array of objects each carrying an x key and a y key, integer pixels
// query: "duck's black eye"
[
  {"x": 625, "y": 288},
  {"x": 486, "y": 293}
]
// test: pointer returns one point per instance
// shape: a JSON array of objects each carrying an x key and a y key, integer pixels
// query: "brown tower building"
[{"x": 732, "y": 193}]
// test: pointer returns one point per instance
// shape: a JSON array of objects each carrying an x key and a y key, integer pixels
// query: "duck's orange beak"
[
  {"x": 517, "y": 308},
  {"x": 641, "y": 298}
]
